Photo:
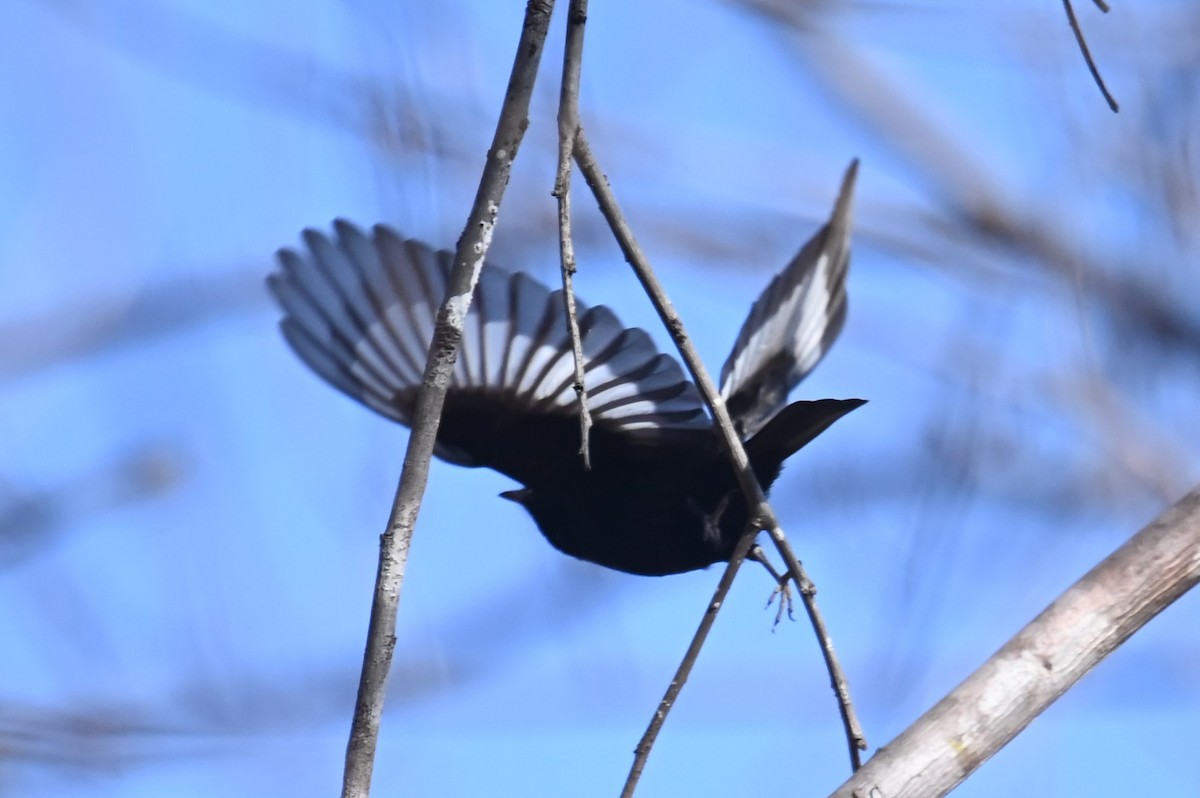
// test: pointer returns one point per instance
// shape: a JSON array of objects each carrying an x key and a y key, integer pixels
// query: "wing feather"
[
  {"x": 360, "y": 310},
  {"x": 793, "y": 323}
]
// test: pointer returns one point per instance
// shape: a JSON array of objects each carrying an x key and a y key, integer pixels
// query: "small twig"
[
  {"x": 468, "y": 261},
  {"x": 1087, "y": 55},
  {"x": 732, "y": 443},
  {"x": 642, "y": 752},
  {"x": 837, "y": 677},
  {"x": 805, "y": 586},
  {"x": 1071, "y": 636},
  {"x": 568, "y": 128}
]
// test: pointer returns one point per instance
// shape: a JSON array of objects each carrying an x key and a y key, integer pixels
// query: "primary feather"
[{"x": 792, "y": 324}]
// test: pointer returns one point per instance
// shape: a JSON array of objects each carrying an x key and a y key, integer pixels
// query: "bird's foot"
[
  {"x": 782, "y": 589},
  {"x": 785, "y": 601},
  {"x": 711, "y": 521}
]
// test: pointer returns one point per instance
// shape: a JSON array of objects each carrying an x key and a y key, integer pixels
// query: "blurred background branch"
[{"x": 1022, "y": 318}]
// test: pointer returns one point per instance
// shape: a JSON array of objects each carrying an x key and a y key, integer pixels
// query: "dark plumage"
[{"x": 661, "y": 497}]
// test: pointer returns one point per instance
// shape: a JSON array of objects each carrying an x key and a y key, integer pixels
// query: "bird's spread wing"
[
  {"x": 360, "y": 311},
  {"x": 792, "y": 324}
]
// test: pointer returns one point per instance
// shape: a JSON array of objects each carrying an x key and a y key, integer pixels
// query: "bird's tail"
[{"x": 795, "y": 427}]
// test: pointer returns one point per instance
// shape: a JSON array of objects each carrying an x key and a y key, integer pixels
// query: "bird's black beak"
[{"x": 519, "y": 496}]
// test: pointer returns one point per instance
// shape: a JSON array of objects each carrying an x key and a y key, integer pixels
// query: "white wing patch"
[
  {"x": 793, "y": 323},
  {"x": 360, "y": 311}
]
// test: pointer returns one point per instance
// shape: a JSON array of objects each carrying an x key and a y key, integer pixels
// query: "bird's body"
[
  {"x": 638, "y": 506},
  {"x": 660, "y": 496},
  {"x": 659, "y": 509}
]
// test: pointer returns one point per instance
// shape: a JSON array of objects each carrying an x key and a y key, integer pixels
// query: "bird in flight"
[{"x": 660, "y": 496}]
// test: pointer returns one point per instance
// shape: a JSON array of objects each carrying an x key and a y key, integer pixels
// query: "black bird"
[{"x": 661, "y": 496}]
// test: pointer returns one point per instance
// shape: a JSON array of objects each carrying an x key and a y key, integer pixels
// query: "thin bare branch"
[
  {"x": 855, "y": 738},
  {"x": 468, "y": 261},
  {"x": 568, "y": 128},
  {"x": 1087, "y": 54},
  {"x": 1071, "y": 636},
  {"x": 642, "y": 752},
  {"x": 762, "y": 514}
]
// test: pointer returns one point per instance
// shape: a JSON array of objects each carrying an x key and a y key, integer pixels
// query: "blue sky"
[{"x": 184, "y": 594}]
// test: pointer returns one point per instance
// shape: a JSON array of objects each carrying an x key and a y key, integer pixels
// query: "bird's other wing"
[
  {"x": 360, "y": 310},
  {"x": 793, "y": 323}
]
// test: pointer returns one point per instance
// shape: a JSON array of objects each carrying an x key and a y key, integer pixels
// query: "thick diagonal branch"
[
  {"x": 1071, "y": 636},
  {"x": 468, "y": 261}
]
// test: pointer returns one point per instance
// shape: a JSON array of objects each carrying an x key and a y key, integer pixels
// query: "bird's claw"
[
  {"x": 781, "y": 585},
  {"x": 785, "y": 602}
]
